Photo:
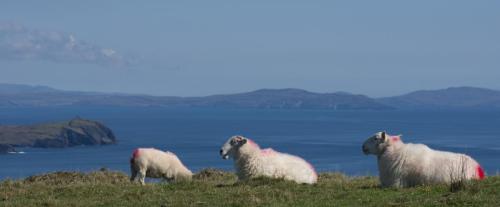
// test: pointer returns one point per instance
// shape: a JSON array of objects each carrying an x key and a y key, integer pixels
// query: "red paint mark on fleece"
[
  {"x": 252, "y": 143},
  {"x": 267, "y": 152},
  {"x": 395, "y": 139},
  {"x": 135, "y": 153},
  {"x": 312, "y": 168},
  {"x": 479, "y": 172}
]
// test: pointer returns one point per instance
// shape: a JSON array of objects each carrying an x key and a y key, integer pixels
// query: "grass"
[{"x": 217, "y": 188}]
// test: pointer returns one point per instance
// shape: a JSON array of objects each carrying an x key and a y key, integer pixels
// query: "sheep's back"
[
  {"x": 420, "y": 164},
  {"x": 293, "y": 167},
  {"x": 156, "y": 162},
  {"x": 271, "y": 163}
]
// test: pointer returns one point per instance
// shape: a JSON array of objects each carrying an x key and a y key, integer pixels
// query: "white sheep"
[
  {"x": 406, "y": 165},
  {"x": 251, "y": 161},
  {"x": 153, "y": 163}
]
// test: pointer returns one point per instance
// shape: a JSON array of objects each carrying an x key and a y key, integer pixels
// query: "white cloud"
[{"x": 20, "y": 43}]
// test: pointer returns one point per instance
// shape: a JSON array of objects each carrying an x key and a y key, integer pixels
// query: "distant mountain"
[
  {"x": 18, "y": 88},
  {"x": 21, "y": 95},
  {"x": 289, "y": 99},
  {"x": 453, "y": 98},
  {"x": 14, "y": 95}
]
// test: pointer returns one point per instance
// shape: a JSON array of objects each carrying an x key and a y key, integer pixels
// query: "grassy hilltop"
[{"x": 217, "y": 188}]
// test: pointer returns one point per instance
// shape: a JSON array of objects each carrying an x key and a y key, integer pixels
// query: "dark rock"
[{"x": 6, "y": 148}]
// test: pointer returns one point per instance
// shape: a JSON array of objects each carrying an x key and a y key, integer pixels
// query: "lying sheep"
[
  {"x": 251, "y": 161},
  {"x": 153, "y": 163},
  {"x": 406, "y": 165}
]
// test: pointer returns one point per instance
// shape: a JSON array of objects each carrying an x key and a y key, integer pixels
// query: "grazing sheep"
[
  {"x": 406, "y": 165},
  {"x": 153, "y": 163},
  {"x": 251, "y": 161}
]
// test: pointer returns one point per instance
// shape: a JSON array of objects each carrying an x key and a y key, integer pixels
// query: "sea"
[{"x": 330, "y": 140}]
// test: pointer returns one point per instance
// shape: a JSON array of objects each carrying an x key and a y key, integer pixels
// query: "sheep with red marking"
[
  {"x": 406, "y": 165},
  {"x": 153, "y": 163},
  {"x": 251, "y": 161}
]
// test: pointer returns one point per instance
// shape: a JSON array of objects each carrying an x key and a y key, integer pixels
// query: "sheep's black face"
[
  {"x": 231, "y": 146},
  {"x": 376, "y": 144}
]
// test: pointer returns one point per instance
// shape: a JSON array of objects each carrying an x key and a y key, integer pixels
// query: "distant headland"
[{"x": 70, "y": 133}]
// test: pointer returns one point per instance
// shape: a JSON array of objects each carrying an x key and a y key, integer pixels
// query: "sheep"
[
  {"x": 251, "y": 161},
  {"x": 153, "y": 163},
  {"x": 407, "y": 165}
]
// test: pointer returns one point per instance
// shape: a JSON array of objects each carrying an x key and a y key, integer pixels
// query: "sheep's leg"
[
  {"x": 399, "y": 183},
  {"x": 133, "y": 170},
  {"x": 169, "y": 180},
  {"x": 133, "y": 175},
  {"x": 142, "y": 176}
]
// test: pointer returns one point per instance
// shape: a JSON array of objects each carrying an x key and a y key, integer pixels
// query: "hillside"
[
  {"x": 61, "y": 134},
  {"x": 218, "y": 188},
  {"x": 19, "y": 89},
  {"x": 455, "y": 98},
  {"x": 448, "y": 99},
  {"x": 30, "y": 96},
  {"x": 289, "y": 99}
]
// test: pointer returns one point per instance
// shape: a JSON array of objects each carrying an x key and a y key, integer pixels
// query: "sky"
[{"x": 195, "y": 48}]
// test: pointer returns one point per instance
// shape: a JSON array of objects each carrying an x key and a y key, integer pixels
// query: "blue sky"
[{"x": 192, "y": 48}]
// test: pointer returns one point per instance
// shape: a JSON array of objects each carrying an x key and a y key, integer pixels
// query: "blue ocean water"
[{"x": 330, "y": 140}]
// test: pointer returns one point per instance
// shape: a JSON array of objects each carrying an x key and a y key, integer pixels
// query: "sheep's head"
[
  {"x": 231, "y": 146},
  {"x": 376, "y": 144}
]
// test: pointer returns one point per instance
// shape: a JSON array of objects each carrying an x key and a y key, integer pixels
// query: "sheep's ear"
[
  {"x": 383, "y": 136},
  {"x": 243, "y": 141}
]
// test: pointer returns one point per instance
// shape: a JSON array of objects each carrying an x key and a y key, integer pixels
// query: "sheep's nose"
[
  {"x": 220, "y": 152},
  {"x": 364, "y": 149}
]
